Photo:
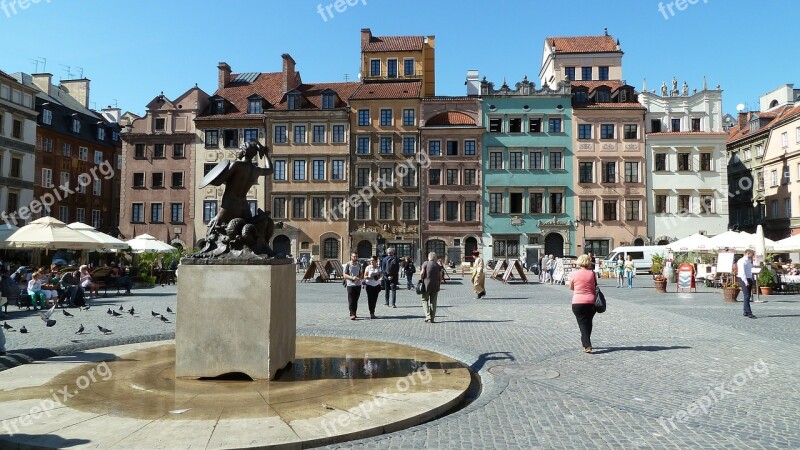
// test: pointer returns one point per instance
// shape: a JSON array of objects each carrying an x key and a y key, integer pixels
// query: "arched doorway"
[
  {"x": 330, "y": 248},
  {"x": 470, "y": 245},
  {"x": 282, "y": 245},
  {"x": 638, "y": 242},
  {"x": 434, "y": 245},
  {"x": 663, "y": 242},
  {"x": 364, "y": 249},
  {"x": 554, "y": 244}
]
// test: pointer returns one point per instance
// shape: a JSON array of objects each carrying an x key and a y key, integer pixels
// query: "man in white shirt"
[{"x": 744, "y": 275}]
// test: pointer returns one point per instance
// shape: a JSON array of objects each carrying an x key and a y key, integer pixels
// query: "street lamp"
[{"x": 584, "y": 222}]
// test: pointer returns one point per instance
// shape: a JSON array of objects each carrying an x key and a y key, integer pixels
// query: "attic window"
[
  {"x": 254, "y": 106},
  {"x": 754, "y": 125},
  {"x": 294, "y": 101},
  {"x": 327, "y": 100},
  {"x": 218, "y": 107},
  {"x": 603, "y": 96}
]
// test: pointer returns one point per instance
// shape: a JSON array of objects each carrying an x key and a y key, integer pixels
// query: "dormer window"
[
  {"x": 327, "y": 100},
  {"x": 76, "y": 125},
  {"x": 101, "y": 134},
  {"x": 603, "y": 96},
  {"x": 581, "y": 96},
  {"x": 294, "y": 101},
  {"x": 218, "y": 106},
  {"x": 254, "y": 106},
  {"x": 754, "y": 124}
]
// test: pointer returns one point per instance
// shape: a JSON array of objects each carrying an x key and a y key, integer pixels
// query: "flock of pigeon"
[{"x": 46, "y": 318}]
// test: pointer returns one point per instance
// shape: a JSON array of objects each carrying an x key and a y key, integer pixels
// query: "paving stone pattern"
[{"x": 657, "y": 359}]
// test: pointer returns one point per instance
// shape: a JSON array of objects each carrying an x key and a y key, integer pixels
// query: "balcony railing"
[{"x": 399, "y": 76}]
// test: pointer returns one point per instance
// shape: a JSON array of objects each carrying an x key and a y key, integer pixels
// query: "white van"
[{"x": 642, "y": 256}]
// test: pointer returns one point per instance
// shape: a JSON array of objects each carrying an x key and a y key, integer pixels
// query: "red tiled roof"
[
  {"x": 628, "y": 105},
  {"x": 777, "y": 115},
  {"x": 268, "y": 85},
  {"x": 312, "y": 93},
  {"x": 374, "y": 91},
  {"x": 592, "y": 85},
  {"x": 450, "y": 118},
  {"x": 393, "y": 44},
  {"x": 583, "y": 44},
  {"x": 689, "y": 133}
]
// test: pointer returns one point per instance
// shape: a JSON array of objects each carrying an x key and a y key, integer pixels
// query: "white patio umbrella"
[
  {"x": 107, "y": 242},
  {"x": 146, "y": 243},
  {"x": 694, "y": 243},
  {"x": 790, "y": 244},
  {"x": 49, "y": 233},
  {"x": 739, "y": 241},
  {"x": 6, "y": 230}
]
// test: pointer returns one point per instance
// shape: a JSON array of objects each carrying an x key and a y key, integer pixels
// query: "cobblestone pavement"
[{"x": 669, "y": 371}]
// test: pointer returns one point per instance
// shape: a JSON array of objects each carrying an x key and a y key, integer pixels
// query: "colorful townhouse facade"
[
  {"x": 309, "y": 131},
  {"x": 781, "y": 173},
  {"x": 18, "y": 118},
  {"x": 76, "y": 147},
  {"x": 451, "y": 134},
  {"x": 159, "y": 162},
  {"x": 527, "y": 170},
  {"x": 608, "y": 141},
  {"x": 687, "y": 177},
  {"x": 385, "y": 156},
  {"x": 750, "y": 167}
]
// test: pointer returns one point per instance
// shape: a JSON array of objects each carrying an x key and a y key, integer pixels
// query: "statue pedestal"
[{"x": 235, "y": 316}]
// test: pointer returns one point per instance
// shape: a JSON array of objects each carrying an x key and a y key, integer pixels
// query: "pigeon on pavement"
[
  {"x": 121, "y": 308},
  {"x": 45, "y": 315},
  {"x": 50, "y": 322},
  {"x": 115, "y": 314},
  {"x": 104, "y": 330},
  {"x": 6, "y": 326},
  {"x": 109, "y": 312},
  {"x": 164, "y": 319},
  {"x": 80, "y": 330},
  {"x": 23, "y": 330},
  {"x": 131, "y": 311},
  {"x": 169, "y": 310},
  {"x": 155, "y": 314},
  {"x": 66, "y": 313}
]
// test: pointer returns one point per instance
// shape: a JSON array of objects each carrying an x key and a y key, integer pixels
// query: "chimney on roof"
[
  {"x": 742, "y": 119},
  {"x": 77, "y": 89},
  {"x": 289, "y": 73},
  {"x": 366, "y": 36},
  {"x": 473, "y": 84},
  {"x": 224, "y": 75},
  {"x": 42, "y": 81}
]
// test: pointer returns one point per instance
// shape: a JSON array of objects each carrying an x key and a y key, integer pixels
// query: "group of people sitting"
[{"x": 71, "y": 287}]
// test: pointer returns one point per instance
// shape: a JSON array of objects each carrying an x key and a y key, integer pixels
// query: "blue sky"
[{"x": 134, "y": 50}]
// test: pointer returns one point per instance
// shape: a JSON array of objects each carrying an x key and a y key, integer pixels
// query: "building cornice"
[
  {"x": 16, "y": 183},
  {"x": 17, "y": 145}
]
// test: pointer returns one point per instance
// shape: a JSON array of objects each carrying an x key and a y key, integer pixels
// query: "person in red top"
[{"x": 583, "y": 284}]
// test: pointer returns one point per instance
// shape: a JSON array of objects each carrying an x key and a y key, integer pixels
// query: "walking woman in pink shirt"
[{"x": 583, "y": 284}]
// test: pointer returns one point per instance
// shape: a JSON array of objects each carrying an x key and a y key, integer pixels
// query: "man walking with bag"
[
  {"x": 744, "y": 275},
  {"x": 430, "y": 275},
  {"x": 390, "y": 267}
]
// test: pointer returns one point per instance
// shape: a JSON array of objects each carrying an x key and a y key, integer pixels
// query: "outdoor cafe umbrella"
[
  {"x": 694, "y": 243},
  {"x": 145, "y": 243},
  {"x": 107, "y": 242},
  {"x": 6, "y": 230},
  {"x": 49, "y": 233},
  {"x": 790, "y": 244},
  {"x": 739, "y": 241}
]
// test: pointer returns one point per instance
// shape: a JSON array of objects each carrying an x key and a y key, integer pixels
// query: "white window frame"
[
  {"x": 96, "y": 218},
  {"x": 83, "y": 153},
  {"x": 80, "y": 214},
  {"x": 47, "y": 117},
  {"x": 97, "y": 187},
  {"x": 98, "y": 157},
  {"x": 784, "y": 139},
  {"x": 47, "y": 177}
]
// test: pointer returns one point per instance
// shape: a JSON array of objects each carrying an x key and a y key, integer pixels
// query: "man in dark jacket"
[
  {"x": 71, "y": 284},
  {"x": 390, "y": 267}
]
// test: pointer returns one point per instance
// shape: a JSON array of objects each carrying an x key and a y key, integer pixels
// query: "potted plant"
[
  {"x": 766, "y": 280},
  {"x": 730, "y": 290},
  {"x": 656, "y": 268}
]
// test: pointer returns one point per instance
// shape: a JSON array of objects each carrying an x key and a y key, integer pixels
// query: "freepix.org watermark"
[
  {"x": 11, "y": 7},
  {"x": 421, "y": 160},
  {"x": 339, "y": 5},
  {"x": 58, "y": 397},
  {"x": 60, "y": 192},
  {"x": 365, "y": 410},
  {"x": 679, "y": 5},
  {"x": 715, "y": 395}
]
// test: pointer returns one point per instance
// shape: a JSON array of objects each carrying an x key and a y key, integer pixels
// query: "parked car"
[{"x": 642, "y": 256}]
